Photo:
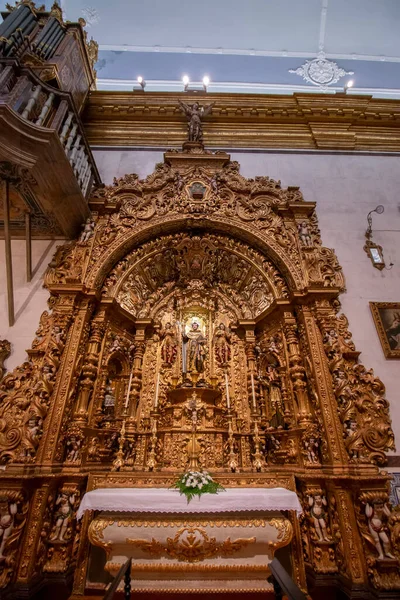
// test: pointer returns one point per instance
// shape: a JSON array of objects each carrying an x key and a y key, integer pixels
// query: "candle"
[
  {"x": 253, "y": 392},
  {"x": 157, "y": 389},
  {"x": 129, "y": 390},
  {"x": 228, "y": 400}
]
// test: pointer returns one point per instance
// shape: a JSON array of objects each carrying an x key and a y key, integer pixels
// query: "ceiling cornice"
[{"x": 301, "y": 121}]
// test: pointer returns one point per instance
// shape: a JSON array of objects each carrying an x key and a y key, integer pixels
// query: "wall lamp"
[
  {"x": 141, "y": 83},
  {"x": 374, "y": 251},
  {"x": 195, "y": 87}
]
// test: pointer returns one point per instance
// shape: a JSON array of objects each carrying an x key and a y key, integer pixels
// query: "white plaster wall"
[
  {"x": 346, "y": 188},
  {"x": 30, "y": 299}
]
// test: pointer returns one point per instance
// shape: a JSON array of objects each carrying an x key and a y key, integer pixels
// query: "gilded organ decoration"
[{"x": 196, "y": 323}]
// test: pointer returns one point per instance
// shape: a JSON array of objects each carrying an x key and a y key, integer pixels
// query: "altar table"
[{"x": 220, "y": 542}]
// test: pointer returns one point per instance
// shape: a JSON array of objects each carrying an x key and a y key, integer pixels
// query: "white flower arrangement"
[{"x": 196, "y": 483}]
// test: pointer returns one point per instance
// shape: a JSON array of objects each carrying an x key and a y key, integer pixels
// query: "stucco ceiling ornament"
[
  {"x": 91, "y": 15},
  {"x": 320, "y": 71}
]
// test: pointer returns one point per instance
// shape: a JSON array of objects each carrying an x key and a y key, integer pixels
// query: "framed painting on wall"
[{"x": 387, "y": 321}]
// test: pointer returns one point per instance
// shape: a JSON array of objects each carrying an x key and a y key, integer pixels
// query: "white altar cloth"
[{"x": 161, "y": 500}]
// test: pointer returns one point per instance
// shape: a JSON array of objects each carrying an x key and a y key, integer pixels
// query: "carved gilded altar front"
[{"x": 196, "y": 322}]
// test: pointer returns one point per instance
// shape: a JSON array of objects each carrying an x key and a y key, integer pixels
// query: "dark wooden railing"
[
  {"x": 283, "y": 583},
  {"x": 280, "y": 578},
  {"x": 124, "y": 572}
]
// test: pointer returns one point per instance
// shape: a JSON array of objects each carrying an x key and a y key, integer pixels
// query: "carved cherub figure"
[
  {"x": 33, "y": 431},
  {"x": 116, "y": 345},
  {"x": 311, "y": 446},
  {"x": 377, "y": 515},
  {"x": 353, "y": 439},
  {"x": 6, "y": 525},
  {"x": 319, "y": 516},
  {"x": 88, "y": 230},
  {"x": 65, "y": 503},
  {"x": 304, "y": 233},
  {"x": 73, "y": 449}
]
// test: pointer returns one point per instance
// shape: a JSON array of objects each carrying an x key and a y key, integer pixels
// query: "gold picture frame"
[{"x": 387, "y": 322}]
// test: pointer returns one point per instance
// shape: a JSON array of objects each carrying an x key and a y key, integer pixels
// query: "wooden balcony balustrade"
[{"x": 41, "y": 133}]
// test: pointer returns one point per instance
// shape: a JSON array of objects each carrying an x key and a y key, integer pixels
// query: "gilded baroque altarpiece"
[{"x": 197, "y": 294}]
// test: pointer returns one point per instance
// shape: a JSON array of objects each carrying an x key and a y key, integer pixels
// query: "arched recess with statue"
[{"x": 196, "y": 324}]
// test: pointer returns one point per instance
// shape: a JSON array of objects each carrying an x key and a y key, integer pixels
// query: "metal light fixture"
[
  {"x": 185, "y": 80},
  {"x": 142, "y": 84},
  {"x": 374, "y": 251},
  {"x": 195, "y": 87},
  {"x": 348, "y": 85}
]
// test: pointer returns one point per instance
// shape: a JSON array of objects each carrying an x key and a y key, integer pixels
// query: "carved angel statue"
[
  {"x": 64, "y": 503},
  {"x": 275, "y": 397},
  {"x": 88, "y": 230},
  {"x": 222, "y": 344},
  {"x": 169, "y": 344},
  {"x": 6, "y": 525},
  {"x": 304, "y": 233},
  {"x": 194, "y": 115},
  {"x": 73, "y": 449},
  {"x": 319, "y": 516},
  {"x": 311, "y": 446},
  {"x": 377, "y": 515}
]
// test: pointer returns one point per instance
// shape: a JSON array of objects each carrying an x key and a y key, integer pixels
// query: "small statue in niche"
[
  {"x": 304, "y": 234},
  {"x": 311, "y": 446},
  {"x": 222, "y": 344},
  {"x": 272, "y": 379},
  {"x": 93, "y": 449},
  {"x": 319, "y": 516},
  {"x": 116, "y": 345},
  {"x": 272, "y": 444},
  {"x": 74, "y": 444},
  {"x": 109, "y": 400},
  {"x": 88, "y": 231},
  {"x": 64, "y": 503},
  {"x": 112, "y": 443},
  {"x": 169, "y": 344},
  {"x": 195, "y": 114},
  {"x": 378, "y": 515},
  {"x": 193, "y": 350},
  {"x": 8, "y": 510}
]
